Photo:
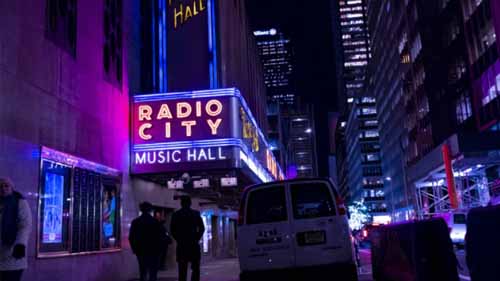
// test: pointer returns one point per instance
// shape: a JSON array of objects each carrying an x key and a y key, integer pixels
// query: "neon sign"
[
  {"x": 198, "y": 130},
  {"x": 249, "y": 130},
  {"x": 184, "y": 12},
  {"x": 179, "y": 155},
  {"x": 209, "y": 110},
  {"x": 189, "y": 119}
]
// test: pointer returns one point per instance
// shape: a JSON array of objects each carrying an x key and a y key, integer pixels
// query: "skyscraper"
[
  {"x": 355, "y": 42},
  {"x": 436, "y": 156},
  {"x": 363, "y": 171},
  {"x": 276, "y": 53},
  {"x": 291, "y": 126}
]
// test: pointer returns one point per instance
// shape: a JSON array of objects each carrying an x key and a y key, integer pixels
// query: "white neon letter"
[
  {"x": 214, "y": 126},
  {"x": 188, "y": 125},
  {"x": 164, "y": 112},
  {"x": 168, "y": 129},
  {"x": 184, "y": 110},
  {"x": 175, "y": 156},
  {"x": 142, "y": 134},
  {"x": 145, "y": 112},
  {"x": 217, "y": 111}
]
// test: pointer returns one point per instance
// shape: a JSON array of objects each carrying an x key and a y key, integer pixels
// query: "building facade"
[
  {"x": 364, "y": 176},
  {"x": 483, "y": 46},
  {"x": 276, "y": 54},
  {"x": 301, "y": 146},
  {"x": 71, "y": 80},
  {"x": 446, "y": 122},
  {"x": 385, "y": 84},
  {"x": 64, "y": 132},
  {"x": 291, "y": 124},
  {"x": 364, "y": 172},
  {"x": 213, "y": 97},
  {"x": 355, "y": 43}
]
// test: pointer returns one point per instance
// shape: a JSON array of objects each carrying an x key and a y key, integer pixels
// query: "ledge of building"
[{"x": 466, "y": 150}]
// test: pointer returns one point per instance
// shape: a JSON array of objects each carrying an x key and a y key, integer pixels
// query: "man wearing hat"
[{"x": 187, "y": 229}]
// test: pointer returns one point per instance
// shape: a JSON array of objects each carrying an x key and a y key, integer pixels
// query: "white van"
[{"x": 294, "y": 226}]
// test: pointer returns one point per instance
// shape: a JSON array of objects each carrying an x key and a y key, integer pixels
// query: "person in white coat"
[{"x": 15, "y": 228}]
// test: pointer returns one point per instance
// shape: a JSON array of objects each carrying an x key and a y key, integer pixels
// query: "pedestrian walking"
[
  {"x": 187, "y": 229},
  {"x": 166, "y": 241},
  {"x": 15, "y": 229},
  {"x": 146, "y": 237}
]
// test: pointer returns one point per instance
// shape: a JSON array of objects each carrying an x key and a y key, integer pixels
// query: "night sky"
[{"x": 310, "y": 25}]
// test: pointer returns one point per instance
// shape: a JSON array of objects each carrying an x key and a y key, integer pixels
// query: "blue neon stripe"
[
  {"x": 214, "y": 46},
  {"x": 153, "y": 43},
  {"x": 160, "y": 47},
  {"x": 210, "y": 44},
  {"x": 164, "y": 57},
  {"x": 186, "y": 95},
  {"x": 187, "y": 144}
]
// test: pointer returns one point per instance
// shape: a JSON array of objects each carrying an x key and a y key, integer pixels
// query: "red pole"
[{"x": 450, "y": 180}]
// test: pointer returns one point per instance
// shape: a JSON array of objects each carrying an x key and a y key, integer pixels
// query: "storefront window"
[
  {"x": 110, "y": 217},
  {"x": 54, "y": 214},
  {"x": 79, "y": 206},
  {"x": 207, "y": 235}
]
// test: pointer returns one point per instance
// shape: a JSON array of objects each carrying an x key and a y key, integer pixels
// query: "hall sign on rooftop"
[{"x": 184, "y": 11}]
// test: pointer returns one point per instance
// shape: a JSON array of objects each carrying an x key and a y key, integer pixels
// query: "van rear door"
[
  {"x": 264, "y": 239},
  {"x": 321, "y": 236}
]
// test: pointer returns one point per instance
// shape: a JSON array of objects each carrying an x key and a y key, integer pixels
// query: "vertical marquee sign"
[
  {"x": 198, "y": 130},
  {"x": 191, "y": 45}
]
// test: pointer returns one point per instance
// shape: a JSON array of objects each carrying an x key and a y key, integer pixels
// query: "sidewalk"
[{"x": 220, "y": 270}]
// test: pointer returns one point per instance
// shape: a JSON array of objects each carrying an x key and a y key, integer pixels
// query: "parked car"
[
  {"x": 457, "y": 226},
  {"x": 364, "y": 235},
  {"x": 294, "y": 227}
]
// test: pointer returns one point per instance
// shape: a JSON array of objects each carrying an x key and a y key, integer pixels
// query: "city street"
[
  {"x": 462, "y": 269},
  {"x": 228, "y": 269}
]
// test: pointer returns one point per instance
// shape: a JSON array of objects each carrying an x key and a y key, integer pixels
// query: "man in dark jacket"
[
  {"x": 187, "y": 229},
  {"x": 146, "y": 237}
]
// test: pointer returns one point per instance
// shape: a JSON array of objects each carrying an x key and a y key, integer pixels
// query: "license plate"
[{"x": 314, "y": 237}]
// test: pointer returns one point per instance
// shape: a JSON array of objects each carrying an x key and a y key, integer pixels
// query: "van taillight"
[{"x": 341, "y": 206}]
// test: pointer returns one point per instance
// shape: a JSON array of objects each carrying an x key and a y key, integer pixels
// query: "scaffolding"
[{"x": 432, "y": 193}]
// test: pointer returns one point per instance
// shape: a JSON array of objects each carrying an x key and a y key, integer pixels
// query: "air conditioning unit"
[
  {"x": 203, "y": 183},
  {"x": 173, "y": 184},
  {"x": 233, "y": 181}
]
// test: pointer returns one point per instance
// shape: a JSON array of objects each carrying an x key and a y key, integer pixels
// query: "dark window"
[
  {"x": 459, "y": 218},
  {"x": 86, "y": 205},
  {"x": 312, "y": 200},
  {"x": 112, "y": 49},
  {"x": 60, "y": 23},
  {"x": 267, "y": 205}
]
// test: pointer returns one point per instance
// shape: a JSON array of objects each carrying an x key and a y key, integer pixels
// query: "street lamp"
[
  {"x": 308, "y": 131},
  {"x": 389, "y": 180}
]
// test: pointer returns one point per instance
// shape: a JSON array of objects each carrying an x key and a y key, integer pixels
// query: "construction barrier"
[
  {"x": 482, "y": 243},
  {"x": 414, "y": 251}
]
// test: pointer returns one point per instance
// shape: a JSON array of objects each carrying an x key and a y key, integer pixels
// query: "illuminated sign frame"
[{"x": 251, "y": 149}]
